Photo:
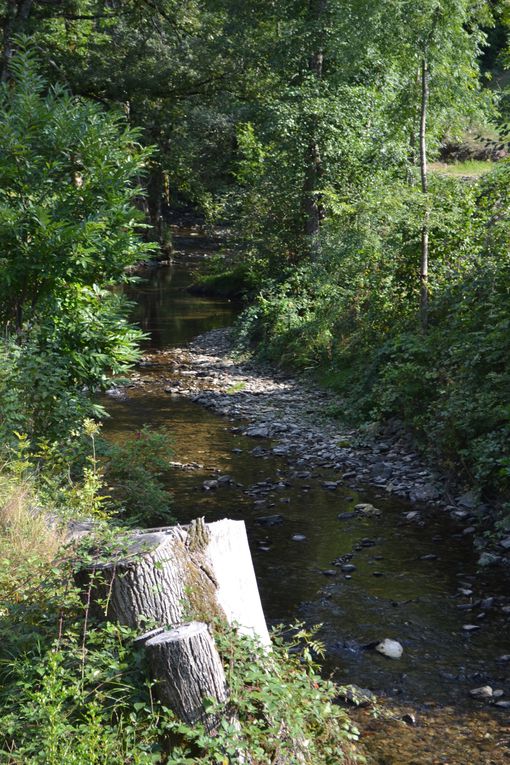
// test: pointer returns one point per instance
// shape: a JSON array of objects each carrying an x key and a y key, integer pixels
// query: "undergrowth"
[{"x": 74, "y": 690}]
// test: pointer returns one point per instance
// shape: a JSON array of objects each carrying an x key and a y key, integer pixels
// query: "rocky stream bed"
[{"x": 347, "y": 530}]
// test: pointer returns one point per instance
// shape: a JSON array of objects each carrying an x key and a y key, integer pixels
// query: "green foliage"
[
  {"x": 283, "y": 706},
  {"x": 67, "y": 177},
  {"x": 223, "y": 280},
  {"x": 135, "y": 471},
  {"x": 68, "y": 230},
  {"x": 353, "y": 317}
]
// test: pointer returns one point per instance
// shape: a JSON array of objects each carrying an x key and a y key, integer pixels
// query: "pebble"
[
  {"x": 298, "y": 537},
  {"x": 412, "y": 516},
  {"x": 470, "y": 627}
]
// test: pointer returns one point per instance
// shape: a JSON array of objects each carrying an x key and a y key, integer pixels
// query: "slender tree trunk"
[
  {"x": 17, "y": 14},
  {"x": 311, "y": 202},
  {"x": 424, "y": 265},
  {"x": 312, "y": 205},
  {"x": 155, "y": 188}
]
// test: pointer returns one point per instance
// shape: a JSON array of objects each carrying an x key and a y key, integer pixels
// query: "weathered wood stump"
[
  {"x": 185, "y": 663},
  {"x": 165, "y": 576}
]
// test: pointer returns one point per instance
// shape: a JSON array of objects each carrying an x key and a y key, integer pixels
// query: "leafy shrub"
[{"x": 134, "y": 471}]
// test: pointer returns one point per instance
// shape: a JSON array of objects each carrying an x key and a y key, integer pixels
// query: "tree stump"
[
  {"x": 186, "y": 665},
  {"x": 165, "y": 576}
]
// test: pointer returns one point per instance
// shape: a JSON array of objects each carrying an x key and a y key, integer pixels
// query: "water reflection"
[{"x": 169, "y": 314}]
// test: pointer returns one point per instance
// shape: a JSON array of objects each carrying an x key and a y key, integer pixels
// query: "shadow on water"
[
  {"x": 169, "y": 314},
  {"x": 392, "y": 592}
]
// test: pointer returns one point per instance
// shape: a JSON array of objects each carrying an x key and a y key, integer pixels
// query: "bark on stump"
[
  {"x": 186, "y": 665},
  {"x": 165, "y": 575}
]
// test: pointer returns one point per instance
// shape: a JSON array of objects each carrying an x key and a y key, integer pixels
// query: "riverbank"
[{"x": 294, "y": 414}]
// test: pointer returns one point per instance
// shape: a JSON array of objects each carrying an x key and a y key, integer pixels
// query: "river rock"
[
  {"x": 353, "y": 694},
  {"x": 347, "y": 568},
  {"x": 488, "y": 559},
  {"x": 425, "y": 493},
  {"x": 281, "y": 450},
  {"x": 467, "y": 500},
  {"x": 390, "y": 648},
  {"x": 346, "y": 516},
  {"x": 502, "y": 704},
  {"x": 331, "y": 485},
  {"x": 505, "y": 543},
  {"x": 269, "y": 520},
  {"x": 298, "y": 537},
  {"x": 484, "y": 692},
  {"x": 257, "y": 431},
  {"x": 365, "y": 508},
  {"x": 470, "y": 627}
]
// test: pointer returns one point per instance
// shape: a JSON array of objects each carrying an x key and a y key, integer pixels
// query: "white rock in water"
[
  {"x": 485, "y": 692},
  {"x": 390, "y": 648}
]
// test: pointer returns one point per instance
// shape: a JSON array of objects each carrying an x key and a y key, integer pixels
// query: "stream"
[{"x": 363, "y": 578}]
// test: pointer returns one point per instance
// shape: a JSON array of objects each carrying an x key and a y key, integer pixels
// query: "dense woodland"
[{"x": 354, "y": 155}]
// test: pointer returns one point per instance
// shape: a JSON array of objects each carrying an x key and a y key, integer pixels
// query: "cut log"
[
  {"x": 161, "y": 577},
  {"x": 188, "y": 670}
]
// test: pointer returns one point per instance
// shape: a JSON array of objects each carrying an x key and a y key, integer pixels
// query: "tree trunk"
[
  {"x": 424, "y": 266},
  {"x": 312, "y": 205},
  {"x": 17, "y": 14},
  {"x": 164, "y": 575},
  {"x": 155, "y": 189},
  {"x": 185, "y": 663}
]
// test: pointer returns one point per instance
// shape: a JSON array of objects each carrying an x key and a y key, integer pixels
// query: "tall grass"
[{"x": 29, "y": 541}]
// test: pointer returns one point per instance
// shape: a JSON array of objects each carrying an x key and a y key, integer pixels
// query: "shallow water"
[{"x": 391, "y": 593}]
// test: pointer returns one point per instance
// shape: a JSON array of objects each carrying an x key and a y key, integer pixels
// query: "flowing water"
[{"x": 393, "y": 592}]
